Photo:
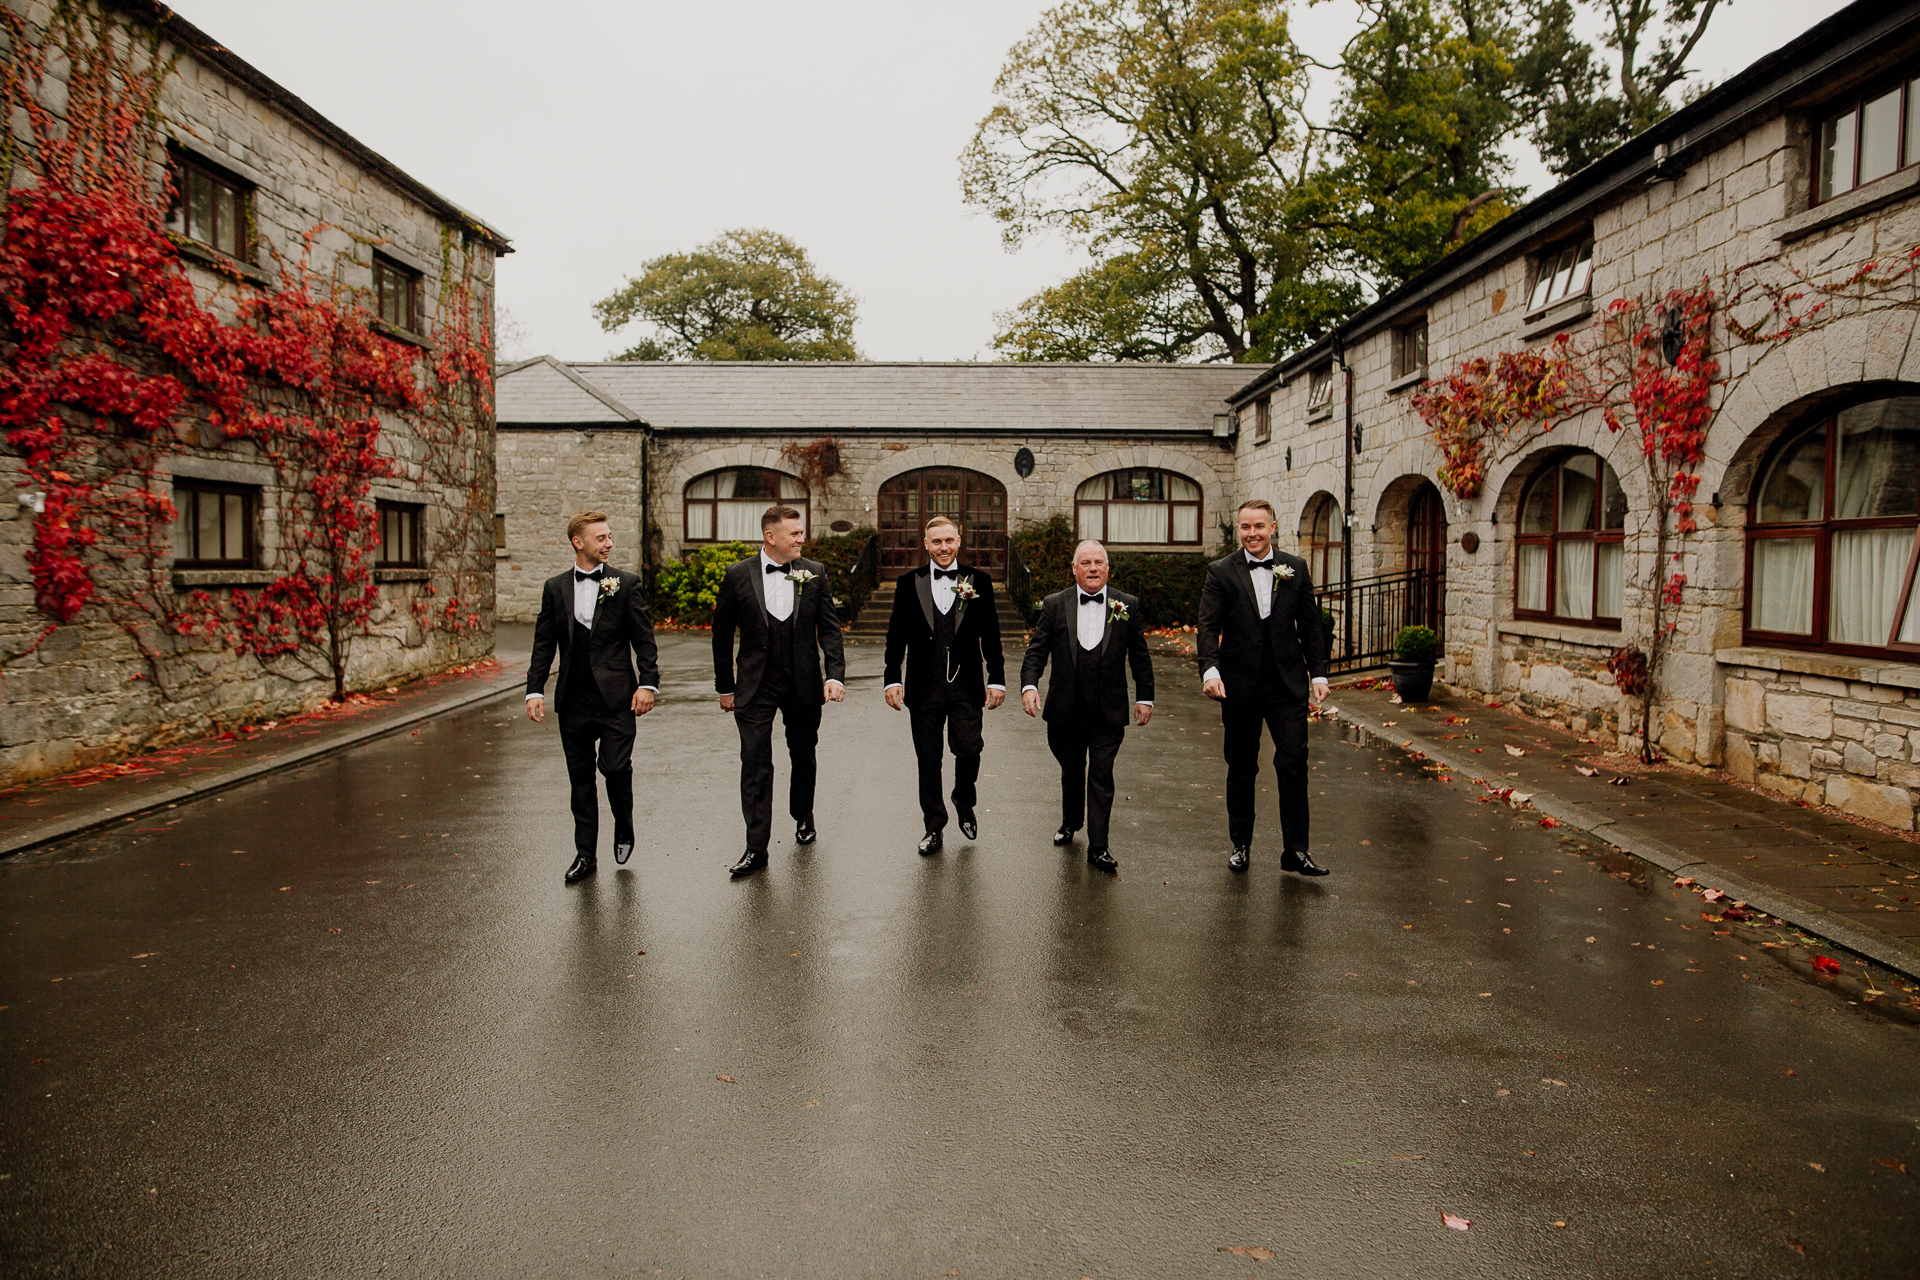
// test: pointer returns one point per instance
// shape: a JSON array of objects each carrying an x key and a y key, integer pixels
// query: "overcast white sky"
[{"x": 599, "y": 133}]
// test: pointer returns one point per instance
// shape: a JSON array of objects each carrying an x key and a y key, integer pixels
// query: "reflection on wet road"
[{"x": 349, "y": 1019}]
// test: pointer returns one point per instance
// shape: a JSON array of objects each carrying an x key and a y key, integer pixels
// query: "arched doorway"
[
  {"x": 978, "y": 502},
  {"x": 1427, "y": 558}
]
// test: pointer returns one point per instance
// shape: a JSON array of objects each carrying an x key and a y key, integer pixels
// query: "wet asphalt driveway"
[{"x": 348, "y": 1021}]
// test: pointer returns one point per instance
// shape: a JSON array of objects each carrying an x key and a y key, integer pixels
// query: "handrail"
[
  {"x": 1369, "y": 612},
  {"x": 863, "y": 578},
  {"x": 1019, "y": 583}
]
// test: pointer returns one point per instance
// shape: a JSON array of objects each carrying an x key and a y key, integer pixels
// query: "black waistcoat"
[
  {"x": 1086, "y": 674},
  {"x": 582, "y": 691}
]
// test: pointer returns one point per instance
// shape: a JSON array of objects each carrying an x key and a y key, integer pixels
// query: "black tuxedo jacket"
[
  {"x": 1230, "y": 625},
  {"x": 1056, "y": 637},
  {"x": 976, "y": 637},
  {"x": 814, "y": 629},
  {"x": 620, "y": 623}
]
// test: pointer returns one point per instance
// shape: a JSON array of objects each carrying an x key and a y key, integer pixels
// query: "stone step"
[{"x": 871, "y": 625}]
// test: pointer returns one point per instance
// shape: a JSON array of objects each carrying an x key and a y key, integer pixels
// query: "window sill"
[
  {"x": 398, "y": 334},
  {"x": 1539, "y": 324},
  {"x": 1834, "y": 666},
  {"x": 207, "y": 256},
  {"x": 1601, "y": 637},
  {"x": 1406, "y": 380},
  {"x": 1881, "y": 191},
  {"x": 1320, "y": 415},
  {"x": 401, "y": 575},
  {"x": 1175, "y": 548},
  {"x": 188, "y": 579},
  {"x": 501, "y": 553}
]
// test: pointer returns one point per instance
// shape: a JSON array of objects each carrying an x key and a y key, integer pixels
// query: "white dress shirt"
[
  {"x": 586, "y": 598},
  {"x": 943, "y": 599},
  {"x": 1091, "y": 626},
  {"x": 780, "y": 591},
  {"x": 1262, "y": 597}
]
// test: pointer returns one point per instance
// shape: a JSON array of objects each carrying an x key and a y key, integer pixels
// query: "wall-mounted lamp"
[
  {"x": 1356, "y": 438},
  {"x": 1289, "y": 457},
  {"x": 35, "y": 502},
  {"x": 1222, "y": 426}
]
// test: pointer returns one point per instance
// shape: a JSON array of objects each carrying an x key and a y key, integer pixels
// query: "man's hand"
[
  {"x": 642, "y": 701},
  {"x": 836, "y": 692},
  {"x": 537, "y": 708},
  {"x": 1142, "y": 712},
  {"x": 1030, "y": 701},
  {"x": 1320, "y": 691},
  {"x": 995, "y": 697},
  {"x": 726, "y": 702},
  {"x": 897, "y": 697},
  {"x": 1215, "y": 689}
]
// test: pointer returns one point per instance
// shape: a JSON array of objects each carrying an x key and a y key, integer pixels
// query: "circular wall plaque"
[
  {"x": 1023, "y": 462},
  {"x": 1469, "y": 542},
  {"x": 841, "y": 526}
]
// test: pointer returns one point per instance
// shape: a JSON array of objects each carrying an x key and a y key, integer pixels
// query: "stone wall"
[{"x": 546, "y": 476}]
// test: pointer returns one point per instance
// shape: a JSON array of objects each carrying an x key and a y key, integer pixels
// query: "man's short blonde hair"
[
  {"x": 1259, "y": 504},
  {"x": 578, "y": 525},
  {"x": 949, "y": 521}
]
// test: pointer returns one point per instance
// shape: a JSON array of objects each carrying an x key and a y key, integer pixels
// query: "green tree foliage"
[
  {"x": 748, "y": 295},
  {"x": 687, "y": 589},
  {"x": 1166, "y": 584}
]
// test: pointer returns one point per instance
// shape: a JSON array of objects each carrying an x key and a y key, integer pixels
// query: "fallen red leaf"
[
  {"x": 1454, "y": 1221},
  {"x": 1796, "y": 1246},
  {"x": 1549, "y": 822},
  {"x": 1891, "y": 1164},
  {"x": 726, "y": 1080},
  {"x": 1825, "y": 964}
]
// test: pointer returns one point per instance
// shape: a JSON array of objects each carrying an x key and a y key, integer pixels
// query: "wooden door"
[{"x": 978, "y": 502}]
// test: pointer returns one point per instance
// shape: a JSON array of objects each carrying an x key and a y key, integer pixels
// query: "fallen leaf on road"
[
  {"x": 1455, "y": 1222},
  {"x": 1549, "y": 1080},
  {"x": 144, "y": 954},
  {"x": 1891, "y": 1164},
  {"x": 285, "y": 887},
  {"x": 1817, "y": 1168},
  {"x": 1796, "y": 1246},
  {"x": 726, "y": 1080},
  {"x": 1253, "y": 1251},
  {"x": 1515, "y": 751},
  {"x": 1684, "y": 882},
  {"x": 1618, "y": 782},
  {"x": 1590, "y": 938},
  {"x": 1503, "y": 1093},
  {"x": 639, "y": 953},
  {"x": 1712, "y": 895},
  {"x": 1519, "y": 799},
  {"x": 1558, "y": 1223},
  {"x": 1825, "y": 964},
  {"x": 1585, "y": 772},
  {"x": 1659, "y": 982},
  {"x": 1549, "y": 822},
  {"x": 813, "y": 1102}
]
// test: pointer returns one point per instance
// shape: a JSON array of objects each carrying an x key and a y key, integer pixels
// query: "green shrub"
[
  {"x": 687, "y": 590},
  {"x": 1167, "y": 583},
  {"x": 840, "y": 552},
  {"x": 1416, "y": 644}
]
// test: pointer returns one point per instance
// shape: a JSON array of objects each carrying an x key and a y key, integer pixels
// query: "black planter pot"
[{"x": 1413, "y": 681}]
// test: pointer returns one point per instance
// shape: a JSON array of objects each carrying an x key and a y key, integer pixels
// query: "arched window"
[
  {"x": 1571, "y": 564},
  {"x": 1326, "y": 542},
  {"x": 1830, "y": 534},
  {"x": 1140, "y": 505},
  {"x": 725, "y": 506}
]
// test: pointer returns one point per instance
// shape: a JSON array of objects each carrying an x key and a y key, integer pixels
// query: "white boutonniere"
[
  {"x": 1285, "y": 571},
  {"x": 800, "y": 579},
  {"x": 963, "y": 591},
  {"x": 1116, "y": 612},
  {"x": 608, "y": 585}
]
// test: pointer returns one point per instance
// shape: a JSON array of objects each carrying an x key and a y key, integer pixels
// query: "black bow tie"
[
  {"x": 1261, "y": 564},
  {"x": 780, "y": 568},
  {"x": 946, "y": 573},
  {"x": 1087, "y": 599},
  {"x": 595, "y": 576}
]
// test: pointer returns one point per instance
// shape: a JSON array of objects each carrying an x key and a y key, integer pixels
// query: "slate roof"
[{"x": 867, "y": 397}]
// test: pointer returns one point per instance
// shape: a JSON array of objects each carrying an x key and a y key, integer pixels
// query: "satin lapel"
[
  {"x": 1106, "y": 632},
  {"x": 923, "y": 585},
  {"x": 757, "y": 580},
  {"x": 600, "y": 609},
  {"x": 1245, "y": 577}
]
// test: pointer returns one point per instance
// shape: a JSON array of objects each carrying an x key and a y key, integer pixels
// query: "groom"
[
  {"x": 943, "y": 625},
  {"x": 592, "y": 615},
  {"x": 782, "y": 606}
]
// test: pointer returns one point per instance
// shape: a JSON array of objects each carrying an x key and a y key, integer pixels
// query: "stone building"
[
  {"x": 1796, "y": 662},
  {"x": 256, "y": 174},
  {"x": 692, "y": 453}
]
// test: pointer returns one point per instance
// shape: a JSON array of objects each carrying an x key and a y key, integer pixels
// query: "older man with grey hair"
[{"x": 1091, "y": 633}]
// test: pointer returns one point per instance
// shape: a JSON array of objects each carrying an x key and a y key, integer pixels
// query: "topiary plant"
[{"x": 1416, "y": 644}]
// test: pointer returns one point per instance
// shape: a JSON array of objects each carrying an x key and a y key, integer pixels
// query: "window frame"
[
  {"x": 1263, "y": 419},
  {"x": 803, "y": 505},
  {"x": 187, "y": 514},
  {"x": 1316, "y": 550},
  {"x": 1320, "y": 390},
  {"x": 1172, "y": 504},
  {"x": 1544, "y": 263},
  {"x": 414, "y": 515},
  {"x": 1906, "y": 145},
  {"x": 184, "y": 167},
  {"x": 384, "y": 266},
  {"x": 1820, "y": 533},
  {"x": 1403, "y": 366},
  {"x": 1551, "y": 540}
]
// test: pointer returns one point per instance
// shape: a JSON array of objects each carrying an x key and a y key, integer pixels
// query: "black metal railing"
[
  {"x": 1019, "y": 583},
  {"x": 863, "y": 578},
  {"x": 1369, "y": 612}
]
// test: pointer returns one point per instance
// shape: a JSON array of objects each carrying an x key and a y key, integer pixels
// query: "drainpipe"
[
  {"x": 1346, "y": 497},
  {"x": 646, "y": 492}
]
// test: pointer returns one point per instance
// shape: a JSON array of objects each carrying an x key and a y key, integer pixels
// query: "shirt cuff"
[
  {"x": 1025, "y": 687},
  {"x": 895, "y": 685},
  {"x": 1002, "y": 688},
  {"x": 841, "y": 683},
  {"x": 1143, "y": 702},
  {"x": 651, "y": 688},
  {"x": 1319, "y": 679},
  {"x": 532, "y": 696},
  {"x": 1213, "y": 673}
]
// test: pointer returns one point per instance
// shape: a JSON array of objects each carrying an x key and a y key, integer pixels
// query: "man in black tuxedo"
[
  {"x": 1091, "y": 633},
  {"x": 1263, "y": 653},
  {"x": 943, "y": 626},
  {"x": 782, "y": 606},
  {"x": 592, "y": 615}
]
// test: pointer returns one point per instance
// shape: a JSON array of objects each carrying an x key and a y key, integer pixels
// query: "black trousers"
[
  {"x": 961, "y": 722},
  {"x": 755, "y": 722},
  {"x": 1286, "y": 719},
  {"x": 589, "y": 728},
  {"x": 1085, "y": 746}
]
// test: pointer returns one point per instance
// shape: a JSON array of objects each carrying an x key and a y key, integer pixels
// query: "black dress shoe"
[
  {"x": 584, "y": 865},
  {"x": 969, "y": 825},
  {"x": 1242, "y": 855},
  {"x": 1302, "y": 863},
  {"x": 1063, "y": 836},
  {"x": 749, "y": 863},
  {"x": 804, "y": 832},
  {"x": 622, "y": 850},
  {"x": 1097, "y": 856},
  {"x": 930, "y": 844}
]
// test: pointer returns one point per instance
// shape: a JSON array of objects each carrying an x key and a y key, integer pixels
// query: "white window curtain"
[
  {"x": 699, "y": 522},
  {"x": 1868, "y": 568},
  {"x": 1533, "y": 577},
  {"x": 1910, "y": 624},
  {"x": 1573, "y": 585},
  {"x": 739, "y": 521},
  {"x": 1611, "y": 558},
  {"x": 1186, "y": 524},
  {"x": 1093, "y": 523},
  {"x": 1137, "y": 522},
  {"x": 1783, "y": 585}
]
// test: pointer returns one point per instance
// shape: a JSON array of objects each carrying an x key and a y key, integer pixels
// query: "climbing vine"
[{"x": 818, "y": 461}]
